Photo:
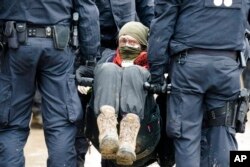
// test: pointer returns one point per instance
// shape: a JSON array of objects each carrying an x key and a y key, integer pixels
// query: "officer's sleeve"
[
  {"x": 161, "y": 30},
  {"x": 89, "y": 29},
  {"x": 145, "y": 11},
  {"x": 248, "y": 9}
]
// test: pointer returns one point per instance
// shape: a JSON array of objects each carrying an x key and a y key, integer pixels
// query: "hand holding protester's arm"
[
  {"x": 156, "y": 88},
  {"x": 85, "y": 74}
]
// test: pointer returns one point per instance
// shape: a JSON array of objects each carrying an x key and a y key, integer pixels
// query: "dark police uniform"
[
  {"x": 246, "y": 76},
  {"x": 202, "y": 38},
  {"x": 40, "y": 59},
  {"x": 114, "y": 14}
]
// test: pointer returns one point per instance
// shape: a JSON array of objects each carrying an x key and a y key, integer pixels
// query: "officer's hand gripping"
[
  {"x": 85, "y": 74},
  {"x": 157, "y": 88}
]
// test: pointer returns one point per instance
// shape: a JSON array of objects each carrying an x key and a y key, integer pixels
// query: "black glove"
[
  {"x": 156, "y": 88},
  {"x": 85, "y": 75}
]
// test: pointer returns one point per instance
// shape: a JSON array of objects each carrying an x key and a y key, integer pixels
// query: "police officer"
[
  {"x": 38, "y": 35},
  {"x": 114, "y": 14},
  {"x": 201, "y": 40}
]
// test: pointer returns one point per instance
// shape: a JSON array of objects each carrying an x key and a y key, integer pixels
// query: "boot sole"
[
  {"x": 125, "y": 157},
  {"x": 108, "y": 148}
]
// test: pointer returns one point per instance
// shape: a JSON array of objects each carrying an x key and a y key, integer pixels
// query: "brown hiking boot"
[
  {"x": 108, "y": 137},
  {"x": 129, "y": 128}
]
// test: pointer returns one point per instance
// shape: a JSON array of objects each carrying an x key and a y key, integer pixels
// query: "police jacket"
[
  {"x": 206, "y": 24},
  {"x": 51, "y": 12},
  {"x": 115, "y": 13}
]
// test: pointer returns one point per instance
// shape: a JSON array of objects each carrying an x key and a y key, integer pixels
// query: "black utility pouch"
[
  {"x": 242, "y": 110},
  {"x": 61, "y": 36},
  {"x": 241, "y": 118},
  {"x": 21, "y": 32},
  {"x": 11, "y": 34}
]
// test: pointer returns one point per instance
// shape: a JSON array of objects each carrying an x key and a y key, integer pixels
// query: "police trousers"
[
  {"x": 39, "y": 62},
  {"x": 201, "y": 83}
]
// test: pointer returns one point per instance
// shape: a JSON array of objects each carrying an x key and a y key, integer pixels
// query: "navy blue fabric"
[
  {"x": 52, "y": 70},
  {"x": 11, "y": 147},
  {"x": 246, "y": 76},
  {"x": 215, "y": 143},
  {"x": 114, "y": 14},
  {"x": 39, "y": 62},
  {"x": 52, "y": 12},
  {"x": 201, "y": 83},
  {"x": 182, "y": 24}
]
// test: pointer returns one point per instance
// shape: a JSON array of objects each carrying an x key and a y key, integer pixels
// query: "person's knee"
[
  {"x": 108, "y": 68},
  {"x": 135, "y": 69}
]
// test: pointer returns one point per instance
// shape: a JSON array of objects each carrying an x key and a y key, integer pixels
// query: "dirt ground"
[{"x": 36, "y": 152}]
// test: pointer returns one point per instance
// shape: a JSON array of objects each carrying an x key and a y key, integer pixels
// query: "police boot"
[
  {"x": 129, "y": 128},
  {"x": 108, "y": 137}
]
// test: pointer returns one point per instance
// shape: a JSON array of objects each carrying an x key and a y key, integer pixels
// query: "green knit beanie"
[{"x": 137, "y": 30}]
